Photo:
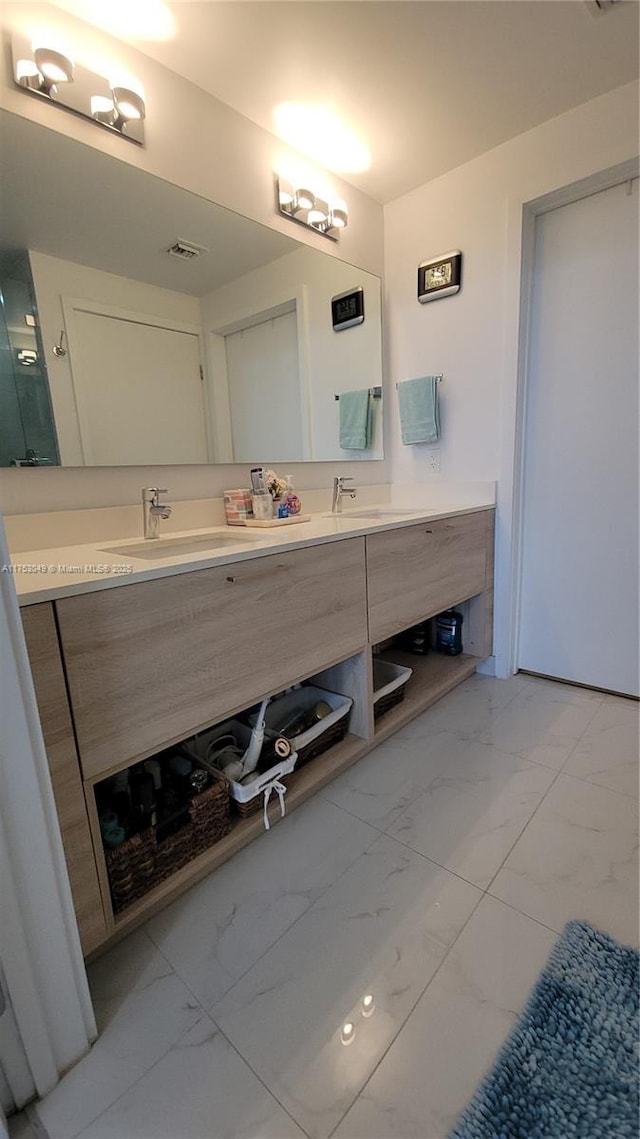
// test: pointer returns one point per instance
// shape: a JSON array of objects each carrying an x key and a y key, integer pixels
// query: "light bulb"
[
  {"x": 53, "y": 65},
  {"x": 27, "y": 74},
  {"x": 339, "y": 214},
  {"x": 102, "y": 109},
  {"x": 368, "y": 1005},
  {"x": 348, "y": 1033},
  {"x": 128, "y": 103},
  {"x": 304, "y": 200},
  {"x": 285, "y": 194}
]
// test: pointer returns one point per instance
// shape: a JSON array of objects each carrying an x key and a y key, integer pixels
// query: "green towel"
[
  {"x": 419, "y": 412},
  {"x": 356, "y": 420}
]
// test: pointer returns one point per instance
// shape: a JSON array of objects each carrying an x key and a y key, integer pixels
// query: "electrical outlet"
[{"x": 433, "y": 460}]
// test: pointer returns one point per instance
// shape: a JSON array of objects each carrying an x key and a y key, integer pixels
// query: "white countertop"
[{"x": 56, "y": 572}]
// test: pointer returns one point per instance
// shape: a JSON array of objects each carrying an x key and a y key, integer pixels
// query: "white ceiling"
[
  {"x": 68, "y": 214},
  {"x": 427, "y": 84}
]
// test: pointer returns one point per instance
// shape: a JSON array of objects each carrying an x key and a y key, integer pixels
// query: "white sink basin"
[{"x": 154, "y": 548}]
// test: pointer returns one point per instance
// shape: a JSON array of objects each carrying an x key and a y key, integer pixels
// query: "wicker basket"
[
  {"x": 323, "y": 735},
  {"x": 140, "y": 863},
  {"x": 323, "y": 742},
  {"x": 390, "y": 684}
]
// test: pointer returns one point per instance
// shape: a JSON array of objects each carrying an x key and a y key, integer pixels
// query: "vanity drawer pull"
[
  {"x": 231, "y": 579},
  {"x": 428, "y": 531}
]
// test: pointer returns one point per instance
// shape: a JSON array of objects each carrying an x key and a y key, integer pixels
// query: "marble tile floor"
[{"x": 415, "y": 899}]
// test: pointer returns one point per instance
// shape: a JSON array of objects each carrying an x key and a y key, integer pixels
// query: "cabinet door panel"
[
  {"x": 48, "y": 678},
  {"x": 416, "y": 572},
  {"x": 149, "y": 663}
]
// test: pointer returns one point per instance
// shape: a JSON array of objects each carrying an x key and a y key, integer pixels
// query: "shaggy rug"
[{"x": 569, "y": 1069}]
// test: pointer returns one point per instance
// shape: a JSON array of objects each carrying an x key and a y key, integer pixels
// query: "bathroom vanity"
[{"x": 127, "y": 665}]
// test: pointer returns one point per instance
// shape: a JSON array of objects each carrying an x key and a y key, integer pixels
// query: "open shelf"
[
  {"x": 301, "y": 785},
  {"x": 433, "y": 676}
]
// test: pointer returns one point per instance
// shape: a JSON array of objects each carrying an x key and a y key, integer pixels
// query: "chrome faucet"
[
  {"x": 339, "y": 492},
  {"x": 153, "y": 509}
]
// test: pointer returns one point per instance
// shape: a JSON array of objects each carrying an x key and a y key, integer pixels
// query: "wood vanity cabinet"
[
  {"x": 51, "y": 696},
  {"x": 134, "y": 669},
  {"x": 148, "y": 664},
  {"x": 417, "y": 571}
]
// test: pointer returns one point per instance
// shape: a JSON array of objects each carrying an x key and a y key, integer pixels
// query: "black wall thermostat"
[
  {"x": 440, "y": 276},
  {"x": 347, "y": 309}
]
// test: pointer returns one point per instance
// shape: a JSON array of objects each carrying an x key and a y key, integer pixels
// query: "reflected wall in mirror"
[{"x": 221, "y": 350}]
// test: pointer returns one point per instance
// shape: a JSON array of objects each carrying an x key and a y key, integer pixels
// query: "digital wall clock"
[
  {"x": 347, "y": 309},
  {"x": 440, "y": 276}
]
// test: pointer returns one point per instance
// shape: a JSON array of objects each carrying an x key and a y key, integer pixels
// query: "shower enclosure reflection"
[{"x": 27, "y": 430}]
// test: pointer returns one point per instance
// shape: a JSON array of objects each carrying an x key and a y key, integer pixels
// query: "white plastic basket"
[
  {"x": 249, "y": 795},
  {"x": 263, "y": 786}
]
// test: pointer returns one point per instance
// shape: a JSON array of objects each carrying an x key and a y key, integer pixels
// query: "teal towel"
[
  {"x": 356, "y": 420},
  {"x": 419, "y": 411}
]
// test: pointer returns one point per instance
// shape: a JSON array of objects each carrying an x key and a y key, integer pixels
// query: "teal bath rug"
[{"x": 569, "y": 1070}]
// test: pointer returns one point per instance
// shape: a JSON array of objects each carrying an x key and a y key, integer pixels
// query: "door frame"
[{"x": 530, "y": 211}]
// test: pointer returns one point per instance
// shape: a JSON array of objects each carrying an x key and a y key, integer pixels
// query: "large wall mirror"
[{"x": 114, "y": 351}]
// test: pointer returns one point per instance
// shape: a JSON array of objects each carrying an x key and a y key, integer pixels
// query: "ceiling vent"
[{"x": 186, "y": 250}]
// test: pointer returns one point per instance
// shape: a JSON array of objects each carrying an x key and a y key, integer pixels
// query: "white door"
[
  {"x": 579, "y": 599},
  {"x": 264, "y": 390},
  {"x": 139, "y": 390}
]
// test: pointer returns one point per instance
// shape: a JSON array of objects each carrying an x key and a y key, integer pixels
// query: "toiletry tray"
[
  {"x": 290, "y": 520},
  {"x": 323, "y": 735},
  {"x": 141, "y": 862},
  {"x": 389, "y": 684},
  {"x": 246, "y": 797}
]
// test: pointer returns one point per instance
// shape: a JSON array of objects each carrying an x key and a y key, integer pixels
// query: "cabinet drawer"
[
  {"x": 416, "y": 572},
  {"x": 48, "y": 680},
  {"x": 149, "y": 663}
]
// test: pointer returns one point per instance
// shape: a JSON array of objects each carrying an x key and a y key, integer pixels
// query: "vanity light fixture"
[
  {"x": 53, "y": 75},
  {"x": 303, "y": 206}
]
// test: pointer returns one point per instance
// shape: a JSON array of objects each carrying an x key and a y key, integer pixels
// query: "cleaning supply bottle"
[
  {"x": 291, "y": 500},
  {"x": 449, "y": 632}
]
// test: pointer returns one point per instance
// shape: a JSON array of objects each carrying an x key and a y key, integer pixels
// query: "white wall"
[
  {"x": 336, "y": 361},
  {"x": 200, "y": 144},
  {"x": 473, "y": 337}
]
